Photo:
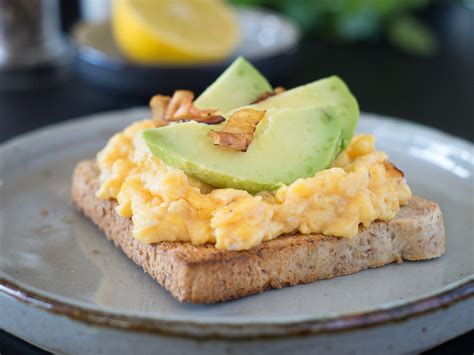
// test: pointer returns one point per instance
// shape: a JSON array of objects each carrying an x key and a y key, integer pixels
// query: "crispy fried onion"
[
  {"x": 180, "y": 108},
  {"x": 266, "y": 95},
  {"x": 239, "y": 129},
  {"x": 392, "y": 169}
]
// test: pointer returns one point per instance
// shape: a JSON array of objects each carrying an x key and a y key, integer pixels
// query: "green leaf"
[
  {"x": 361, "y": 25},
  {"x": 412, "y": 36}
]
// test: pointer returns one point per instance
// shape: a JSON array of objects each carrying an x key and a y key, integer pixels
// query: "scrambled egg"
[{"x": 167, "y": 205}]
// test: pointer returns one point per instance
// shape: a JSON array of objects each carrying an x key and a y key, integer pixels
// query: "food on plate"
[
  {"x": 237, "y": 86},
  {"x": 288, "y": 144},
  {"x": 238, "y": 131},
  {"x": 291, "y": 197},
  {"x": 330, "y": 94},
  {"x": 266, "y": 95},
  {"x": 174, "y": 31},
  {"x": 180, "y": 108}
]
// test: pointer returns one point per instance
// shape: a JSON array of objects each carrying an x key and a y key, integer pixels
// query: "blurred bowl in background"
[{"x": 268, "y": 40}]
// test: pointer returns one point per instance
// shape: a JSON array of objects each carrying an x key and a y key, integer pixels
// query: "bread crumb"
[{"x": 44, "y": 212}]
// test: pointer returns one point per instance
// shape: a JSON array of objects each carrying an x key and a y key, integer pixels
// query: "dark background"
[{"x": 436, "y": 91}]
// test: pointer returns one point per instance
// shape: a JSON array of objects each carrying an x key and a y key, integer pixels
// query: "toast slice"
[{"x": 204, "y": 274}]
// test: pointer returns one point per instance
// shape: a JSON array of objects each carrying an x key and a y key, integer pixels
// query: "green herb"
[
  {"x": 358, "y": 20},
  {"x": 411, "y": 35}
]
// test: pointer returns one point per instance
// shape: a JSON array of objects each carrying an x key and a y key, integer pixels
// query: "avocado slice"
[
  {"x": 288, "y": 144},
  {"x": 240, "y": 84},
  {"x": 330, "y": 92}
]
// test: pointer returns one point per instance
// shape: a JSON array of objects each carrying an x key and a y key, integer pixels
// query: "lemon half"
[{"x": 151, "y": 31}]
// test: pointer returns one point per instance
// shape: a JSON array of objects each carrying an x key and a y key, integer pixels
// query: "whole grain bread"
[{"x": 204, "y": 274}]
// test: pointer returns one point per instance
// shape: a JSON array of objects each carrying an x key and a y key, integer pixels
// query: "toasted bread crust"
[{"x": 204, "y": 274}]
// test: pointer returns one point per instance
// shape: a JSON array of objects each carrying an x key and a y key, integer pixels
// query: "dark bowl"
[{"x": 268, "y": 40}]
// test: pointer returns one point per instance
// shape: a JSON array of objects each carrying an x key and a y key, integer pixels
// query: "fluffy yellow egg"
[{"x": 167, "y": 205}]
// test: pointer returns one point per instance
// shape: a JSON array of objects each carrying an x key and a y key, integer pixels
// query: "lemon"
[{"x": 177, "y": 31}]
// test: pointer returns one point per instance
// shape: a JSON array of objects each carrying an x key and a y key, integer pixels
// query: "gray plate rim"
[{"x": 174, "y": 326}]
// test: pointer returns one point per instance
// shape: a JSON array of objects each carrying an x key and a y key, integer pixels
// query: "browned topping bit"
[
  {"x": 180, "y": 108},
  {"x": 238, "y": 132},
  {"x": 266, "y": 95},
  {"x": 235, "y": 141},
  {"x": 44, "y": 211},
  {"x": 213, "y": 119},
  {"x": 158, "y": 105},
  {"x": 392, "y": 169},
  {"x": 179, "y": 104}
]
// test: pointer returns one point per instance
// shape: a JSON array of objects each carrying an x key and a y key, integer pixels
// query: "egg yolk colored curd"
[{"x": 165, "y": 204}]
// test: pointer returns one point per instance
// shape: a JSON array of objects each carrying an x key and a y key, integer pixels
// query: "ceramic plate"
[
  {"x": 66, "y": 288},
  {"x": 268, "y": 39}
]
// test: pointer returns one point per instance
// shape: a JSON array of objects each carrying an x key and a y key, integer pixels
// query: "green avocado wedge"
[
  {"x": 288, "y": 144},
  {"x": 327, "y": 92},
  {"x": 240, "y": 84}
]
